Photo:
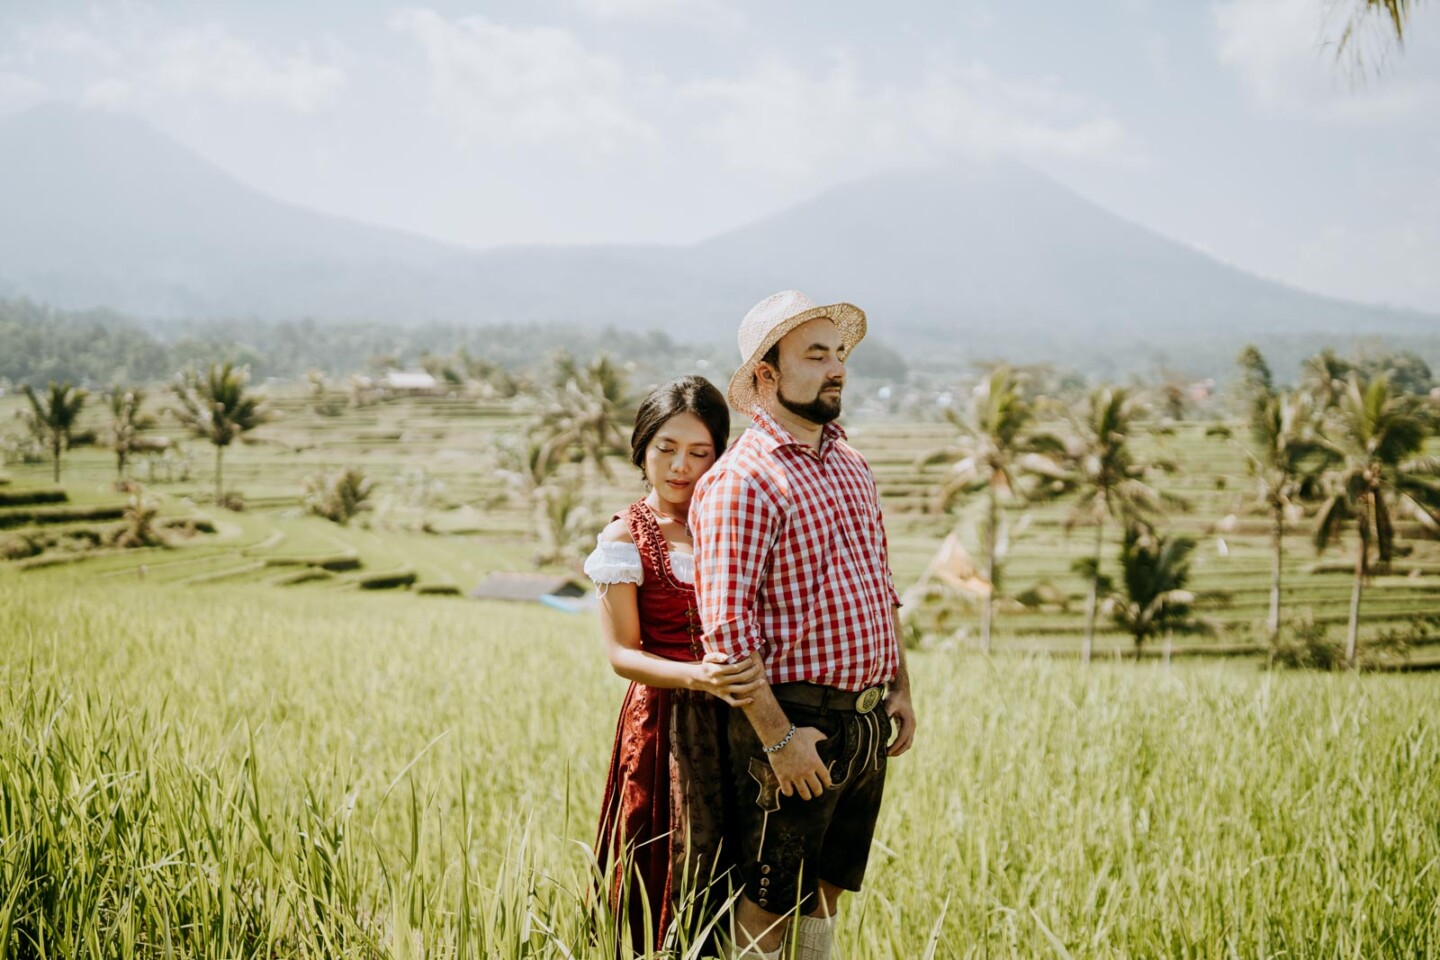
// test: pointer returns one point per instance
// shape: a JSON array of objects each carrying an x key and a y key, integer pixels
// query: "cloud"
[
  {"x": 518, "y": 85},
  {"x": 110, "y": 92},
  {"x": 1284, "y": 52},
  {"x": 1397, "y": 263},
  {"x": 95, "y": 42},
  {"x": 699, "y": 13},
  {"x": 1274, "y": 45},
  {"x": 18, "y": 92},
  {"x": 209, "y": 60},
  {"x": 779, "y": 118},
  {"x": 127, "y": 55},
  {"x": 1156, "y": 50}
]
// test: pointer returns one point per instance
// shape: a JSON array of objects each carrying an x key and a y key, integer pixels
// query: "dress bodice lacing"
[{"x": 669, "y": 619}]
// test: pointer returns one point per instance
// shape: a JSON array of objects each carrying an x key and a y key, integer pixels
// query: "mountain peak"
[{"x": 970, "y": 259}]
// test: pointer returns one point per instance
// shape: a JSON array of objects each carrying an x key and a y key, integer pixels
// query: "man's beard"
[{"x": 820, "y": 411}]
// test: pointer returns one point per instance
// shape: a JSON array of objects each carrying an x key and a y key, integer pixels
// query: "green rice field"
[
  {"x": 264, "y": 773},
  {"x": 203, "y": 754},
  {"x": 445, "y": 517}
]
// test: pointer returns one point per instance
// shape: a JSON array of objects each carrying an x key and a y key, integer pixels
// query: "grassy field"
[
  {"x": 197, "y": 759},
  {"x": 253, "y": 772}
]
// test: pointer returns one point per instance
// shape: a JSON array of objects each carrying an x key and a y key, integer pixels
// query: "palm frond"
[
  {"x": 1395, "y": 15},
  {"x": 930, "y": 458}
]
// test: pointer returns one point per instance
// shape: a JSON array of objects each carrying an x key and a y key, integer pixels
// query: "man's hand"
[
  {"x": 898, "y": 706},
  {"x": 798, "y": 767}
]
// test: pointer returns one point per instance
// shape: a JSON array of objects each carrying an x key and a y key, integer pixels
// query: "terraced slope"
[{"x": 444, "y": 518}]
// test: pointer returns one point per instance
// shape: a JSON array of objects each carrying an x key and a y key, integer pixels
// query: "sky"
[{"x": 1229, "y": 125}]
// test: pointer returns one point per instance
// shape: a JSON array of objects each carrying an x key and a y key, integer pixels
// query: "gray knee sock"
[
  {"x": 753, "y": 952},
  {"x": 814, "y": 937},
  {"x": 731, "y": 948}
]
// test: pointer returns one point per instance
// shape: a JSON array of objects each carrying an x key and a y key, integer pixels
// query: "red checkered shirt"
[{"x": 791, "y": 556}]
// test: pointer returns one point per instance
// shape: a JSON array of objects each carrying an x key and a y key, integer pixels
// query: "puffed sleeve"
[{"x": 614, "y": 562}]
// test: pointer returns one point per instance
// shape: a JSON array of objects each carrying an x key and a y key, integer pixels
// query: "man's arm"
[
  {"x": 735, "y": 527},
  {"x": 897, "y": 704},
  {"x": 797, "y": 765}
]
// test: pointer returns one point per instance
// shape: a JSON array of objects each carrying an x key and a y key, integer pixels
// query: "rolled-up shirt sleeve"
[{"x": 735, "y": 526}]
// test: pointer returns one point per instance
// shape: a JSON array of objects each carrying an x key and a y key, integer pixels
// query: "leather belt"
[{"x": 829, "y": 698}]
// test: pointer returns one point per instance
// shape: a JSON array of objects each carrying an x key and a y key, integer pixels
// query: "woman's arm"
[{"x": 620, "y": 632}]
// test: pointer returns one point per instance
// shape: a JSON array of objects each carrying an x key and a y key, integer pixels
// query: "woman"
[{"x": 663, "y": 813}]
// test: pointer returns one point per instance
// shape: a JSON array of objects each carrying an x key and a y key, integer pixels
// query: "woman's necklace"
[{"x": 685, "y": 523}]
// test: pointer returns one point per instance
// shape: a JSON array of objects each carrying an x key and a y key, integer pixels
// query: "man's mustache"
[{"x": 838, "y": 384}]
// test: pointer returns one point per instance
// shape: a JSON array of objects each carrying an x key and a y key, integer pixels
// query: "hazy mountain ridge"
[{"x": 996, "y": 260}]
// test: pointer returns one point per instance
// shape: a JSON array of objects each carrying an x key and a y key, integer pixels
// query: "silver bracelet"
[{"x": 781, "y": 745}]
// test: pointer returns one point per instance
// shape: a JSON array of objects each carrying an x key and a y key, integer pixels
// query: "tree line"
[
  {"x": 39, "y": 343},
  {"x": 579, "y": 414},
  {"x": 1341, "y": 451},
  {"x": 216, "y": 405}
]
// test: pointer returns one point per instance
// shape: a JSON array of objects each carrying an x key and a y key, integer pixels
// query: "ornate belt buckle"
[{"x": 869, "y": 699}]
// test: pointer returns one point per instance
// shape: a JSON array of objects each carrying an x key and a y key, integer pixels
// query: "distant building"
[{"x": 411, "y": 383}]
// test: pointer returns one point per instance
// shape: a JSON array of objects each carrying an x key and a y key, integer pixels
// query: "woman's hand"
[{"x": 731, "y": 682}]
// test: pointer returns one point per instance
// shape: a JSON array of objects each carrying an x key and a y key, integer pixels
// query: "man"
[{"x": 791, "y": 560}]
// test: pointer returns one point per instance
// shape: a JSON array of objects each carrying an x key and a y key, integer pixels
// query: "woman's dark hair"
[{"x": 682, "y": 395}]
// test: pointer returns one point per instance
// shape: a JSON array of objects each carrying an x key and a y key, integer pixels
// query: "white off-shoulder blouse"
[{"x": 614, "y": 561}]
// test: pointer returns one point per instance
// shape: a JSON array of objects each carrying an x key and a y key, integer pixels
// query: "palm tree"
[
  {"x": 527, "y": 464},
  {"x": 994, "y": 453},
  {"x": 1376, "y": 439},
  {"x": 1110, "y": 480},
  {"x": 1324, "y": 377},
  {"x": 568, "y": 525},
  {"x": 219, "y": 407},
  {"x": 139, "y": 529},
  {"x": 1370, "y": 31},
  {"x": 1156, "y": 570},
  {"x": 321, "y": 402},
  {"x": 585, "y": 410},
  {"x": 1396, "y": 13},
  {"x": 126, "y": 422},
  {"x": 55, "y": 414},
  {"x": 1286, "y": 457},
  {"x": 1257, "y": 383},
  {"x": 338, "y": 496}
]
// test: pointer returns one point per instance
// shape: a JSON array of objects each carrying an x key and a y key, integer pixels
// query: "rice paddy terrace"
[{"x": 445, "y": 517}]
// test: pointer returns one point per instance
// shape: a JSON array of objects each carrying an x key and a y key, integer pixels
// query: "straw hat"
[{"x": 769, "y": 320}]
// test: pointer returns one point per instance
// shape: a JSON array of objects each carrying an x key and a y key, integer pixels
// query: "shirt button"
[
  {"x": 765, "y": 868},
  {"x": 764, "y": 881}
]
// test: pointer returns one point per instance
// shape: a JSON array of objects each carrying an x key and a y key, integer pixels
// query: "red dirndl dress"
[{"x": 665, "y": 804}]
